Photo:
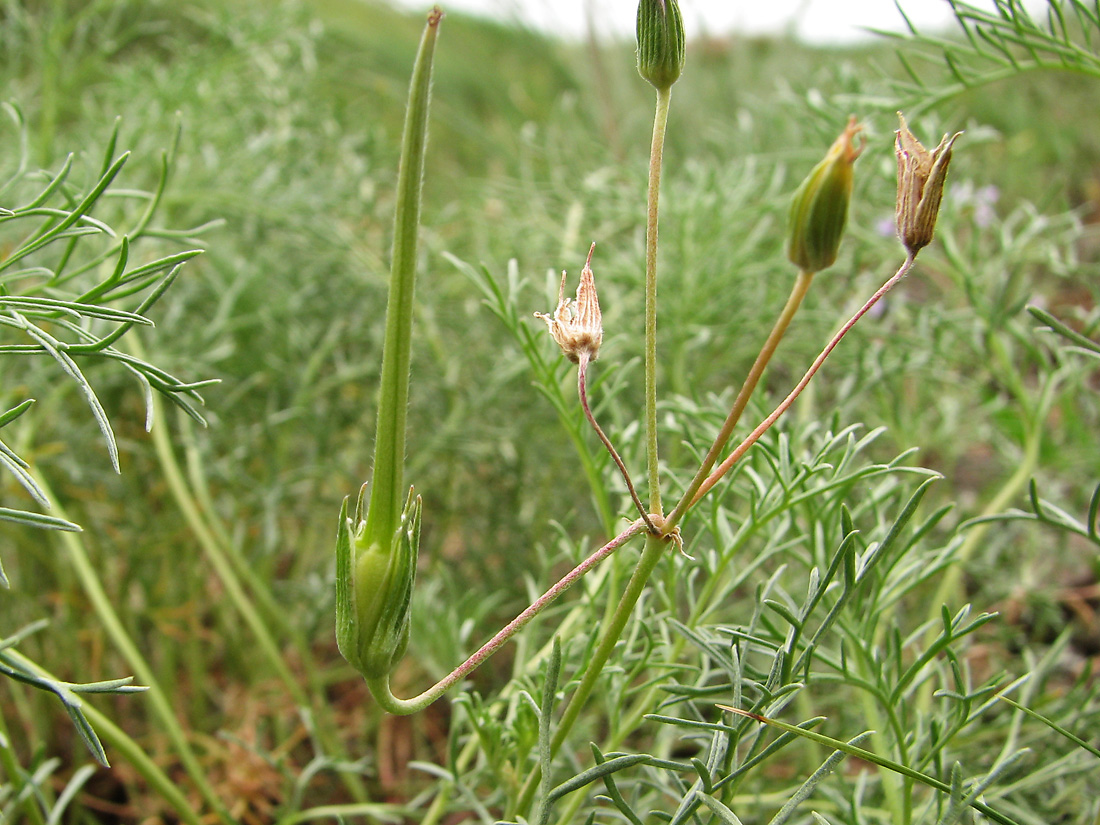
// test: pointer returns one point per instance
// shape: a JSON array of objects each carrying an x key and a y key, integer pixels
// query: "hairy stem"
[{"x": 387, "y": 489}]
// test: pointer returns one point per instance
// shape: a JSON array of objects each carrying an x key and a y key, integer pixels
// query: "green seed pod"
[
  {"x": 374, "y": 583},
  {"x": 819, "y": 210},
  {"x": 660, "y": 42}
]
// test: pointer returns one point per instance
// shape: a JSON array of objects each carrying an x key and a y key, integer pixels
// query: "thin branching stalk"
[
  {"x": 766, "y": 424},
  {"x": 794, "y": 301},
  {"x": 380, "y": 687},
  {"x": 655, "y": 544},
  {"x": 582, "y": 391},
  {"x": 654, "y": 549}
]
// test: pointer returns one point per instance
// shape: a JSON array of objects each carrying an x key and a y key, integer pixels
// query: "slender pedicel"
[{"x": 577, "y": 327}]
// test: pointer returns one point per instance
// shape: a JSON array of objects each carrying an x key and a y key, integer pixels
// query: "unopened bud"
[
  {"x": 819, "y": 209},
  {"x": 921, "y": 175},
  {"x": 660, "y": 42},
  {"x": 577, "y": 326},
  {"x": 374, "y": 583}
]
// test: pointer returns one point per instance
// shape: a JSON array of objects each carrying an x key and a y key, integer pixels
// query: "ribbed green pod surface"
[{"x": 660, "y": 42}]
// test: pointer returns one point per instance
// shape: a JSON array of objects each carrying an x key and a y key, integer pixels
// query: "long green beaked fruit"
[{"x": 376, "y": 551}]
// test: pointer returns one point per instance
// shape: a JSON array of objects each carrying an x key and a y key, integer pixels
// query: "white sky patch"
[{"x": 814, "y": 21}]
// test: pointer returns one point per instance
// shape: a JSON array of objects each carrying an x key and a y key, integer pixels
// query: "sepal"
[{"x": 374, "y": 583}]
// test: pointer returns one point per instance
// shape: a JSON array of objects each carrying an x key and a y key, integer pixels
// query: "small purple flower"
[{"x": 984, "y": 201}]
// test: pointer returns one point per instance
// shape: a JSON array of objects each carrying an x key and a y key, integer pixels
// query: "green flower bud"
[
  {"x": 374, "y": 582},
  {"x": 660, "y": 42},
  {"x": 819, "y": 209}
]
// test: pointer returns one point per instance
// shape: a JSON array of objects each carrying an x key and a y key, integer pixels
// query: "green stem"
[
  {"x": 162, "y": 710},
  {"x": 654, "y": 548},
  {"x": 892, "y": 784},
  {"x": 567, "y": 628},
  {"x": 949, "y": 585},
  {"x": 656, "y": 155},
  {"x": 438, "y": 809},
  {"x": 873, "y": 758},
  {"x": 354, "y": 812},
  {"x": 197, "y": 490},
  {"x": 654, "y": 544},
  {"x": 380, "y": 686},
  {"x": 213, "y": 551},
  {"x": 387, "y": 492},
  {"x": 794, "y": 300},
  {"x": 797, "y": 293},
  {"x": 766, "y": 424}
]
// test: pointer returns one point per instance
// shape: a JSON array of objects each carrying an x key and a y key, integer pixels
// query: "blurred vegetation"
[{"x": 291, "y": 115}]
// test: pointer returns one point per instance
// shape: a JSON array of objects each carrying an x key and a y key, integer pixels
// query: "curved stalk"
[
  {"x": 654, "y": 547},
  {"x": 380, "y": 687},
  {"x": 582, "y": 391},
  {"x": 655, "y": 544}
]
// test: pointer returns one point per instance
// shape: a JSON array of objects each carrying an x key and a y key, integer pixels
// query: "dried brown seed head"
[
  {"x": 577, "y": 325},
  {"x": 921, "y": 175}
]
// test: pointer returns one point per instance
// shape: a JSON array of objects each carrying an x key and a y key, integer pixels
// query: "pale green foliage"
[{"x": 817, "y": 565}]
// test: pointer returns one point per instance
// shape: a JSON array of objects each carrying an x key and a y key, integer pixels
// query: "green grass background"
[{"x": 291, "y": 116}]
